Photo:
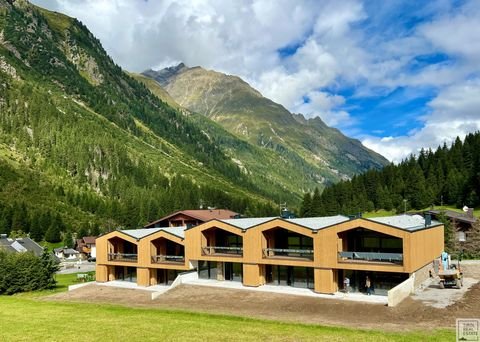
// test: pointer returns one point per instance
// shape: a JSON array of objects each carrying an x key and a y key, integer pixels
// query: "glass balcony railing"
[
  {"x": 212, "y": 250},
  {"x": 158, "y": 259},
  {"x": 122, "y": 257},
  {"x": 396, "y": 258},
  {"x": 289, "y": 253}
]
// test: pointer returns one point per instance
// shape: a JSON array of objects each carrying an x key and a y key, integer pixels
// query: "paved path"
[{"x": 85, "y": 266}]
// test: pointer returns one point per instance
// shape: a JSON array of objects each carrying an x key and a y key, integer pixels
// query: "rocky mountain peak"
[{"x": 164, "y": 76}]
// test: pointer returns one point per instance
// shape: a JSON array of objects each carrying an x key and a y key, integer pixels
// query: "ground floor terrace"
[
  {"x": 308, "y": 278},
  {"x": 139, "y": 276}
]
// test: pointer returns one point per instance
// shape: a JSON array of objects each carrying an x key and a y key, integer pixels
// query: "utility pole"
[
  {"x": 441, "y": 201},
  {"x": 404, "y": 206}
]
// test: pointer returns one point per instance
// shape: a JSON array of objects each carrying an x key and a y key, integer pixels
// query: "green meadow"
[{"x": 29, "y": 317}]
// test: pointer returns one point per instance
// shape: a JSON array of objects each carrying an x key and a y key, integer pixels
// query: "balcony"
[
  {"x": 288, "y": 253},
  {"x": 221, "y": 250},
  {"x": 159, "y": 259},
  {"x": 124, "y": 257},
  {"x": 394, "y": 258}
]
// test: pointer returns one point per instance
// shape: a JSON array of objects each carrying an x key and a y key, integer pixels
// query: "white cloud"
[
  {"x": 350, "y": 43},
  {"x": 455, "y": 112},
  {"x": 240, "y": 38}
]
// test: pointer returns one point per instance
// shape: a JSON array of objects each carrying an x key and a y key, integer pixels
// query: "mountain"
[
  {"x": 269, "y": 169},
  {"x": 82, "y": 143},
  {"x": 244, "y": 112}
]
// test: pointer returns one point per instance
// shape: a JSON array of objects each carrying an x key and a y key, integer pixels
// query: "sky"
[{"x": 397, "y": 75}]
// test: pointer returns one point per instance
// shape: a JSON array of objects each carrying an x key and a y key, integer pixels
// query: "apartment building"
[{"x": 315, "y": 253}]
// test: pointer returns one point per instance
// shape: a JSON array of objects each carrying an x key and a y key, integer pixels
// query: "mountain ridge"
[{"x": 243, "y": 111}]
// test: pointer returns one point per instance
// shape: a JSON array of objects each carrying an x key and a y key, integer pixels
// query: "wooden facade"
[{"x": 262, "y": 261}]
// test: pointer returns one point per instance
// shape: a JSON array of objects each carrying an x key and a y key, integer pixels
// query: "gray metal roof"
[
  {"x": 141, "y": 233},
  {"x": 177, "y": 231},
  {"x": 319, "y": 222},
  {"x": 405, "y": 222},
  {"x": 20, "y": 245},
  {"x": 455, "y": 215},
  {"x": 245, "y": 223}
]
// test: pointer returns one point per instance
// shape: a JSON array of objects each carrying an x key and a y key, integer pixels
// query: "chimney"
[
  {"x": 470, "y": 212},
  {"x": 428, "y": 219}
]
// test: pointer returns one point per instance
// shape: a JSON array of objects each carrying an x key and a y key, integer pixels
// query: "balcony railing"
[
  {"x": 156, "y": 259},
  {"x": 396, "y": 258},
  {"x": 211, "y": 250},
  {"x": 290, "y": 253},
  {"x": 122, "y": 257}
]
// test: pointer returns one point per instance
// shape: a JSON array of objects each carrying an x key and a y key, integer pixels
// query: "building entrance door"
[{"x": 233, "y": 271}]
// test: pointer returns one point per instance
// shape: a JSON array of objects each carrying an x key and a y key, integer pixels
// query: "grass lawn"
[
  {"x": 30, "y": 319},
  {"x": 26, "y": 317},
  {"x": 379, "y": 213},
  {"x": 51, "y": 245},
  {"x": 382, "y": 212}
]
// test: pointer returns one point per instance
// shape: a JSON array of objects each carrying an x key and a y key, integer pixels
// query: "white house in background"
[
  {"x": 86, "y": 246},
  {"x": 66, "y": 253}
]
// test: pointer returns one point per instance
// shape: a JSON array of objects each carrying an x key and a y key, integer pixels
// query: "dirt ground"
[{"x": 410, "y": 314}]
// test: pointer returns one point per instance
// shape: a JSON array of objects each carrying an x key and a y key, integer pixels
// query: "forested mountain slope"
[{"x": 84, "y": 143}]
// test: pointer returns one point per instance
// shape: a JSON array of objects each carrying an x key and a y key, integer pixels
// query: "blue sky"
[{"x": 397, "y": 75}]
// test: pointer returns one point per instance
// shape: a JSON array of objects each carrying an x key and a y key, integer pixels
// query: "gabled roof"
[
  {"x": 20, "y": 245},
  {"x": 319, "y": 222},
  {"x": 455, "y": 215},
  {"x": 245, "y": 223},
  {"x": 89, "y": 239},
  {"x": 406, "y": 222},
  {"x": 66, "y": 250},
  {"x": 203, "y": 215},
  {"x": 143, "y": 232}
]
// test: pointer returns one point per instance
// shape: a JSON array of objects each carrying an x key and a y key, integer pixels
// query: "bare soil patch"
[{"x": 410, "y": 314}]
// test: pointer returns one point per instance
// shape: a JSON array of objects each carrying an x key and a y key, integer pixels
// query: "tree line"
[{"x": 450, "y": 175}]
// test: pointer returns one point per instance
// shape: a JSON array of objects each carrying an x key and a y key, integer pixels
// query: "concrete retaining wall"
[
  {"x": 423, "y": 274},
  {"x": 401, "y": 291},
  {"x": 181, "y": 278}
]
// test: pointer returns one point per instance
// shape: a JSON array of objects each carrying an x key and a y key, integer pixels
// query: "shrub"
[{"x": 22, "y": 272}]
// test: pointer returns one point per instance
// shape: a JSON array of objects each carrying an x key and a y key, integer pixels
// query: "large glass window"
[
  {"x": 207, "y": 270},
  {"x": 131, "y": 274},
  {"x": 233, "y": 271},
  {"x": 290, "y": 276}
]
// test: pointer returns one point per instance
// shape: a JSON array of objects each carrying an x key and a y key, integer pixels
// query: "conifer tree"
[
  {"x": 316, "y": 207},
  {"x": 472, "y": 244},
  {"x": 36, "y": 231},
  {"x": 68, "y": 240},
  {"x": 306, "y": 207}
]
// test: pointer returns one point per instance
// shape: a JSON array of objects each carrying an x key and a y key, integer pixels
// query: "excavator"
[{"x": 450, "y": 274}]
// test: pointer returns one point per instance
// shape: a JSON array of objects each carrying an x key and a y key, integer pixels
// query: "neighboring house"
[
  {"x": 66, "y": 253},
  {"x": 315, "y": 253},
  {"x": 463, "y": 222},
  {"x": 191, "y": 218},
  {"x": 20, "y": 245},
  {"x": 86, "y": 246}
]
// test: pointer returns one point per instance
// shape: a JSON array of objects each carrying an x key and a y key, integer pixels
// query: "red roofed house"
[
  {"x": 191, "y": 218},
  {"x": 86, "y": 245}
]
